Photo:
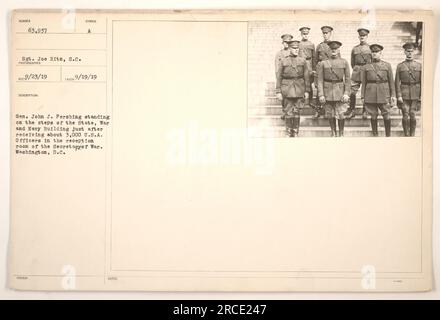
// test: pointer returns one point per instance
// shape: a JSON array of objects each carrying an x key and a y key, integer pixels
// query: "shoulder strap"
[
  {"x": 323, "y": 49},
  {"x": 363, "y": 57},
  {"x": 332, "y": 71},
  {"x": 327, "y": 52},
  {"x": 294, "y": 67},
  {"x": 377, "y": 73},
  {"x": 410, "y": 72}
]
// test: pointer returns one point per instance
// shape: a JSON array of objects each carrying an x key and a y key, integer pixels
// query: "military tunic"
[
  {"x": 307, "y": 51},
  {"x": 284, "y": 53},
  {"x": 408, "y": 80},
  {"x": 377, "y": 82},
  {"x": 293, "y": 80},
  {"x": 333, "y": 79},
  {"x": 360, "y": 56},
  {"x": 333, "y": 84},
  {"x": 322, "y": 53},
  {"x": 378, "y": 87},
  {"x": 408, "y": 86}
]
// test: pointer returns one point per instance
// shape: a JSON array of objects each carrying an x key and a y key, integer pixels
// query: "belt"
[
  {"x": 377, "y": 81},
  {"x": 409, "y": 83},
  {"x": 361, "y": 64},
  {"x": 309, "y": 58},
  {"x": 333, "y": 80},
  {"x": 293, "y": 78}
]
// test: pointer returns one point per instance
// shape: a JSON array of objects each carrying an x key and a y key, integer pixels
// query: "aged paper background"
[{"x": 157, "y": 224}]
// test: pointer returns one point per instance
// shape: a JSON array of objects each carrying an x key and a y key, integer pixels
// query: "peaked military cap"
[
  {"x": 409, "y": 45},
  {"x": 376, "y": 47},
  {"x": 304, "y": 29},
  {"x": 294, "y": 44},
  {"x": 287, "y": 37},
  {"x": 363, "y": 31},
  {"x": 334, "y": 44},
  {"x": 326, "y": 28}
]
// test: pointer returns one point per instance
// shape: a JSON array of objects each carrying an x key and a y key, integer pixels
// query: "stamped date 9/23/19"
[{"x": 220, "y": 309}]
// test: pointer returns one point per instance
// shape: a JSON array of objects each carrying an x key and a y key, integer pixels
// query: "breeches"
[
  {"x": 409, "y": 109},
  {"x": 374, "y": 108},
  {"x": 292, "y": 107},
  {"x": 355, "y": 86},
  {"x": 335, "y": 109}
]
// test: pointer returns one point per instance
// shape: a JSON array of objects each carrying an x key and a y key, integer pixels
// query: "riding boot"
[
  {"x": 351, "y": 110},
  {"x": 312, "y": 100},
  {"x": 283, "y": 116},
  {"x": 296, "y": 121},
  {"x": 405, "y": 125},
  {"x": 364, "y": 113},
  {"x": 317, "y": 113},
  {"x": 412, "y": 127},
  {"x": 387, "y": 124},
  {"x": 374, "y": 127},
  {"x": 332, "y": 122},
  {"x": 288, "y": 126},
  {"x": 341, "y": 123}
]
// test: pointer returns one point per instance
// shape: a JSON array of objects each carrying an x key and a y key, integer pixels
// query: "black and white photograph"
[{"x": 335, "y": 79}]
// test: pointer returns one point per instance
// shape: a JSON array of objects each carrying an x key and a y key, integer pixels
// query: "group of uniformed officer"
[{"x": 299, "y": 65}]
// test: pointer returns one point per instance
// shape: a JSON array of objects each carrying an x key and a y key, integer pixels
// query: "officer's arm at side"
[
  {"x": 347, "y": 79},
  {"x": 391, "y": 81},
  {"x": 279, "y": 77},
  {"x": 397, "y": 82},
  {"x": 363, "y": 82},
  {"x": 352, "y": 58},
  {"x": 315, "y": 59},
  {"x": 307, "y": 74},
  {"x": 277, "y": 61},
  {"x": 320, "y": 71}
]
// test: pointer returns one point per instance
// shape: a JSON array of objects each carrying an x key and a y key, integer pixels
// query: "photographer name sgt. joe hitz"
[{"x": 299, "y": 66}]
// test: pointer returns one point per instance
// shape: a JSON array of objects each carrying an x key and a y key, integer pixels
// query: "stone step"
[
  {"x": 307, "y": 111},
  {"x": 270, "y": 95},
  {"x": 274, "y": 101},
  {"x": 280, "y": 132},
  {"x": 307, "y": 121},
  {"x": 348, "y": 41},
  {"x": 271, "y": 110},
  {"x": 270, "y": 85},
  {"x": 275, "y": 110}
]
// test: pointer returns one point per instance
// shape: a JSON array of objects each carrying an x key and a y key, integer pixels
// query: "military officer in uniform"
[
  {"x": 360, "y": 56},
  {"x": 307, "y": 51},
  {"x": 283, "y": 53},
  {"x": 378, "y": 89},
  {"x": 293, "y": 86},
  {"x": 322, "y": 53},
  {"x": 408, "y": 89},
  {"x": 334, "y": 87}
]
